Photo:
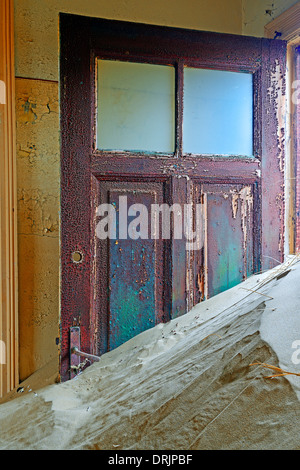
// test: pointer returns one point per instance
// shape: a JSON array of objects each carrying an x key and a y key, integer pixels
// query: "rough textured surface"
[
  {"x": 38, "y": 132},
  {"x": 38, "y": 221},
  {"x": 38, "y": 58},
  {"x": 188, "y": 384},
  {"x": 257, "y": 13},
  {"x": 237, "y": 241}
]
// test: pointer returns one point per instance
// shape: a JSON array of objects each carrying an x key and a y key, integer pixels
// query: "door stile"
[
  {"x": 76, "y": 129},
  {"x": 257, "y": 224},
  {"x": 179, "y": 253},
  {"x": 179, "y": 106},
  {"x": 273, "y": 141}
]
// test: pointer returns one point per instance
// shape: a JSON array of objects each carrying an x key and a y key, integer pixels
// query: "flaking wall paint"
[
  {"x": 257, "y": 13},
  {"x": 36, "y": 23},
  {"x": 38, "y": 221},
  {"x": 38, "y": 152}
]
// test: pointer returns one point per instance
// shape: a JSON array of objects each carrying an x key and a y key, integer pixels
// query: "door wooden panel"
[
  {"x": 131, "y": 274},
  {"x": 230, "y": 234},
  {"x": 121, "y": 287}
]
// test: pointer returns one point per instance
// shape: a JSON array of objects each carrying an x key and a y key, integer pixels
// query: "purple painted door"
[{"x": 115, "y": 288}]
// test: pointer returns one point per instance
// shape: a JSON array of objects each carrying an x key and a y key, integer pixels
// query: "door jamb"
[{"x": 9, "y": 373}]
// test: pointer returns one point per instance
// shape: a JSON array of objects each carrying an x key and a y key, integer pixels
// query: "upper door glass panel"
[
  {"x": 217, "y": 112},
  {"x": 136, "y": 107}
]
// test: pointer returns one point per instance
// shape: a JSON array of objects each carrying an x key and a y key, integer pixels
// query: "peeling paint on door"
[{"x": 240, "y": 195}]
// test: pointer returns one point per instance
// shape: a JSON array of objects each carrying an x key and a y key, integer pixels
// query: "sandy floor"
[{"x": 188, "y": 384}]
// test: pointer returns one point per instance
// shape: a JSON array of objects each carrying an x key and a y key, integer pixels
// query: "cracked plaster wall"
[
  {"x": 38, "y": 153},
  {"x": 258, "y": 13},
  {"x": 38, "y": 221}
]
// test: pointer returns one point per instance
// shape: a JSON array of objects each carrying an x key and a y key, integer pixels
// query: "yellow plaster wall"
[
  {"x": 38, "y": 155},
  {"x": 38, "y": 189},
  {"x": 257, "y": 13},
  {"x": 36, "y": 23}
]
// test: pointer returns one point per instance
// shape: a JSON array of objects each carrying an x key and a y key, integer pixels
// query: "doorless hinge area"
[{"x": 75, "y": 353}]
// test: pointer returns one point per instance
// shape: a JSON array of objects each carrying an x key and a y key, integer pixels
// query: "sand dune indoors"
[{"x": 188, "y": 384}]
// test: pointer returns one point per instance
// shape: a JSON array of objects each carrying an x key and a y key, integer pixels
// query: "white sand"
[{"x": 183, "y": 385}]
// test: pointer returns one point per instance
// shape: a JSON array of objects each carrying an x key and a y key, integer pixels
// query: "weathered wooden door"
[{"x": 154, "y": 116}]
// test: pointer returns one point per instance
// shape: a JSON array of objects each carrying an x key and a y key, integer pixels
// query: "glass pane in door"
[
  {"x": 218, "y": 112},
  {"x": 136, "y": 107}
]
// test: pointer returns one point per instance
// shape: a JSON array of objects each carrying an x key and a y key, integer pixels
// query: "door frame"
[
  {"x": 9, "y": 370},
  {"x": 286, "y": 27},
  {"x": 82, "y": 40}
]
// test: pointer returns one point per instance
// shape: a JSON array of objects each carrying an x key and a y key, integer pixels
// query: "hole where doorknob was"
[{"x": 77, "y": 257}]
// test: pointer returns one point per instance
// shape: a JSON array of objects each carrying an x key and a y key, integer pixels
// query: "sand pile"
[{"x": 184, "y": 385}]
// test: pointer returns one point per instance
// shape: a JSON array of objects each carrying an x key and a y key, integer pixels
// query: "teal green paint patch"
[{"x": 132, "y": 290}]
